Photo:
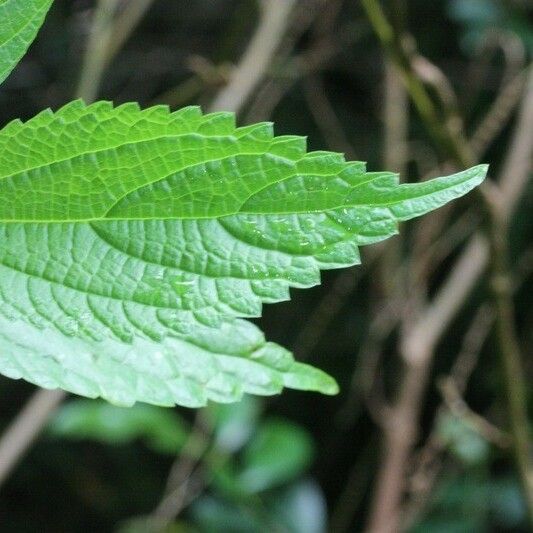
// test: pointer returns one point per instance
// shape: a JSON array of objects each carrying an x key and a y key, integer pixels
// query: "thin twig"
[
  {"x": 394, "y": 45},
  {"x": 275, "y": 15},
  {"x": 127, "y": 19},
  {"x": 326, "y": 118},
  {"x": 307, "y": 62},
  {"x": 460, "y": 409},
  {"x": 353, "y": 492},
  {"x": 95, "y": 58},
  {"x": 499, "y": 113},
  {"x": 426, "y": 465},
  {"x": 177, "y": 491},
  {"x": 21, "y": 433},
  {"x": 323, "y": 314},
  {"x": 395, "y": 157}
]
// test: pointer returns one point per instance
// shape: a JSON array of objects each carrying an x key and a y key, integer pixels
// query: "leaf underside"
[
  {"x": 134, "y": 242},
  {"x": 20, "y": 22}
]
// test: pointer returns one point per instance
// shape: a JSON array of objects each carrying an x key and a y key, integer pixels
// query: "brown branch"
[
  {"x": 20, "y": 435},
  {"x": 95, "y": 57},
  {"x": 177, "y": 492},
  {"x": 420, "y": 340},
  {"x": 427, "y": 464},
  {"x": 128, "y": 18},
  {"x": 395, "y": 157},
  {"x": 305, "y": 63},
  {"x": 499, "y": 113},
  {"x": 275, "y": 15},
  {"x": 326, "y": 118},
  {"x": 460, "y": 409},
  {"x": 108, "y": 34}
]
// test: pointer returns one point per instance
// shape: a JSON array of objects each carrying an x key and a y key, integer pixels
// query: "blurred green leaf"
[
  {"x": 162, "y": 430},
  {"x": 234, "y": 423},
  {"x": 142, "y": 525},
  {"x": 213, "y": 515},
  {"x": 299, "y": 508},
  {"x": 476, "y": 12},
  {"x": 470, "y": 501},
  {"x": 506, "y": 502},
  {"x": 21, "y": 20},
  {"x": 480, "y": 16},
  {"x": 302, "y": 508},
  {"x": 460, "y": 504},
  {"x": 278, "y": 453},
  {"x": 462, "y": 440},
  {"x": 225, "y": 478}
]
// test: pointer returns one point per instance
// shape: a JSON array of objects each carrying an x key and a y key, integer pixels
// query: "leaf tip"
[
  {"x": 307, "y": 378},
  {"x": 330, "y": 386},
  {"x": 481, "y": 171}
]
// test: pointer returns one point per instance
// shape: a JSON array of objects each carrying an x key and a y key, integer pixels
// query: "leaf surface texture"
[
  {"x": 133, "y": 244},
  {"x": 20, "y": 22}
]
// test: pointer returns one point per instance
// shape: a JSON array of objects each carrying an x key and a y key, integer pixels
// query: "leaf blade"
[
  {"x": 134, "y": 242},
  {"x": 21, "y": 20}
]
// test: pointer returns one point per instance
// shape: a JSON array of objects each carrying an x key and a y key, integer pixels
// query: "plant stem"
[
  {"x": 512, "y": 370},
  {"x": 96, "y": 54},
  {"x": 274, "y": 18},
  {"x": 454, "y": 146},
  {"x": 124, "y": 25},
  {"x": 20, "y": 434}
]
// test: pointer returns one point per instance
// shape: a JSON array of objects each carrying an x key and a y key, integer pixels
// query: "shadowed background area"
[{"x": 431, "y": 339}]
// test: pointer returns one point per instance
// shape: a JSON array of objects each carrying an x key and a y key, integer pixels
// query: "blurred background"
[{"x": 428, "y": 339}]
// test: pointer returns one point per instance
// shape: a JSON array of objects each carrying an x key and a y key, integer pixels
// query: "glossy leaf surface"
[
  {"x": 134, "y": 242},
  {"x": 20, "y": 21}
]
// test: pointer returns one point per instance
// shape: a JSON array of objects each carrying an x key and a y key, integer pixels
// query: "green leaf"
[
  {"x": 21, "y": 20},
  {"x": 278, "y": 453},
  {"x": 298, "y": 508},
  {"x": 234, "y": 424},
  {"x": 467, "y": 445},
  {"x": 163, "y": 430},
  {"x": 212, "y": 515},
  {"x": 301, "y": 508},
  {"x": 133, "y": 243}
]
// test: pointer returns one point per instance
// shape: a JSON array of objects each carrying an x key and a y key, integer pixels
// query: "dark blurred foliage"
[{"x": 288, "y": 462}]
